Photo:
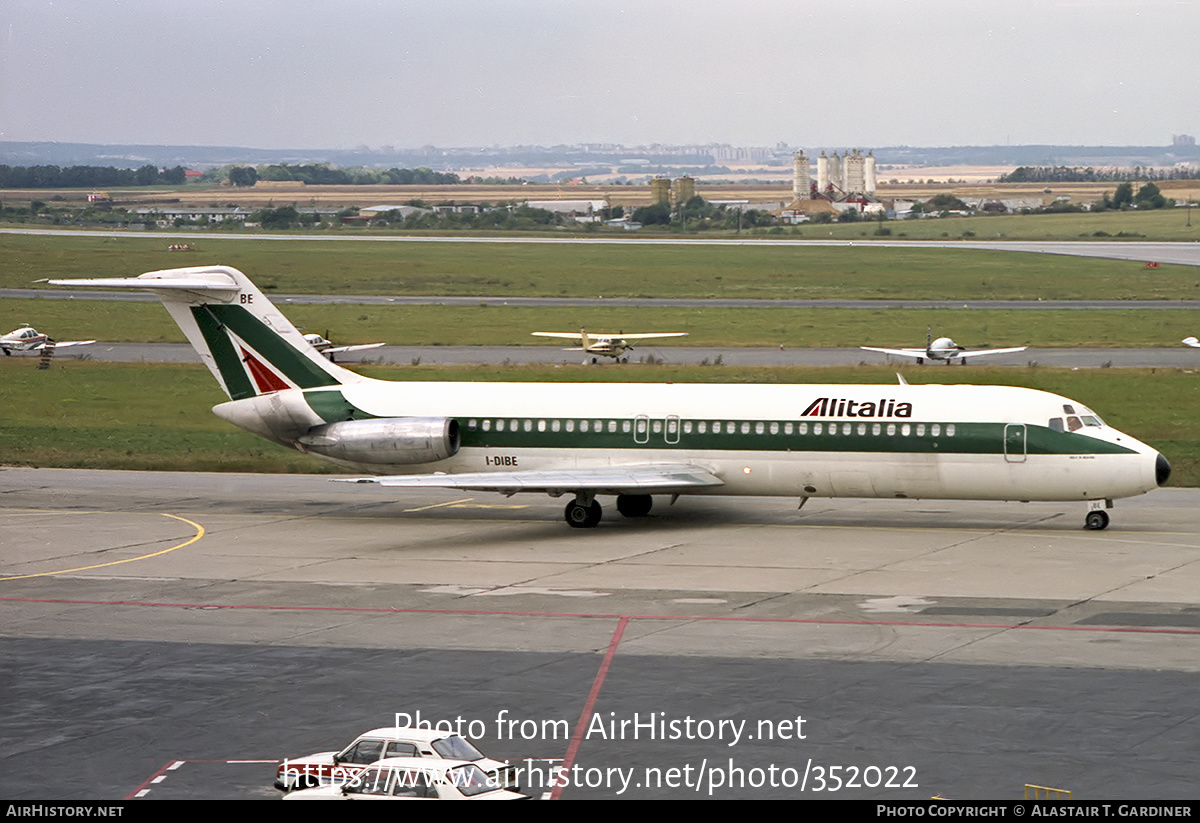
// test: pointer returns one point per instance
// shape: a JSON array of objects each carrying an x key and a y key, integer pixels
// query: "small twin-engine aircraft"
[
  {"x": 943, "y": 349},
  {"x": 1191, "y": 341},
  {"x": 635, "y": 440},
  {"x": 27, "y": 338},
  {"x": 605, "y": 345},
  {"x": 329, "y": 348}
]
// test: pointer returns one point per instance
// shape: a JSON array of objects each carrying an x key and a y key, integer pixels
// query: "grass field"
[
  {"x": 591, "y": 270},
  {"x": 118, "y": 322},
  {"x": 142, "y": 416}
]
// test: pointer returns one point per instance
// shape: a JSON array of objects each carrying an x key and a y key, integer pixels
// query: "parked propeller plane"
[
  {"x": 638, "y": 440},
  {"x": 606, "y": 345},
  {"x": 329, "y": 348},
  {"x": 943, "y": 349},
  {"x": 28, "y": 338}
]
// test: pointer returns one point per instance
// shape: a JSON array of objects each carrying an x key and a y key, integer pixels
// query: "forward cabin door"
[{"x": 1014, "y": 442}]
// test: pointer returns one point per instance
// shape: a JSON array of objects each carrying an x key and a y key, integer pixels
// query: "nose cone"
[{"x": 1162, "y": 470}]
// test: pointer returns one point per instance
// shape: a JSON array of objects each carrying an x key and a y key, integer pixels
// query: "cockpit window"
[
  {"x": 1056, "y": 424},
  {"x": 1068, "y": 408},
  {"x": 1074, "y": 424},
  {"x": 1090, "y": 420}
]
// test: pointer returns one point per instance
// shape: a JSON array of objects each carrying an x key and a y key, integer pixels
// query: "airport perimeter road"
[
  {"x": 1173, "y": 358},
  {"x": 197, "y": 628}
]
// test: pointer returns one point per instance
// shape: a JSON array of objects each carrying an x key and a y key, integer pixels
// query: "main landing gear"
[
  {"x": 1097, "y": 517},
  {"x": 584, "y": 511}
]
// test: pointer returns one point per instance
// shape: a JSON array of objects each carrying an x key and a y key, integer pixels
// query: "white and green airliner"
[{"x": 638, "y": 440}]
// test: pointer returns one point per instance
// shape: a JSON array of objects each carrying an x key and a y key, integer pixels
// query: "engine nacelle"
[{"x": 388, "y": 440}]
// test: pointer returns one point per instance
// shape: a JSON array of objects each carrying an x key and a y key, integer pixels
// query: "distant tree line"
[
  {"x": 1089, "y": 174},
  {"x": 56, "y": 177},
  {"x": 323, "y": 174}
]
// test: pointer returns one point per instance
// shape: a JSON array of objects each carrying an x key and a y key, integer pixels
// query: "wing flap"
[{"x": 643, "y": 479}]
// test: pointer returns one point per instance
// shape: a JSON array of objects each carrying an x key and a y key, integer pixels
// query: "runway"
[
  {"x": 1178, "y": 253},
  {"x": 214, "y": 620},
  {"x": 1167, "y": 358}
]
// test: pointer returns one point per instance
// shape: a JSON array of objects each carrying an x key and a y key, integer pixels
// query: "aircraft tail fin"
[{"x": 250, "y": 348}]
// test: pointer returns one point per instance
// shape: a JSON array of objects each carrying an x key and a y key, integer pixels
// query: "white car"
[
  {"x": 413, "y": 778},
  {"x": 340, "y": 767}
]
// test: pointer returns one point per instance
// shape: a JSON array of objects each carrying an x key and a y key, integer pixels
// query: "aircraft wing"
[
  {"x": 647, "y": 336},
  {"x": 899, "y": 352},
  {"x": 564, "y": 335},
  {"x": 642, "y": 479},
  {"x": 363, "y": 347},
  {"x": 982, "y": 352}
]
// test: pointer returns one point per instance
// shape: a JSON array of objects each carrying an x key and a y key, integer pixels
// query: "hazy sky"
[{"x": 302, "y": 73}]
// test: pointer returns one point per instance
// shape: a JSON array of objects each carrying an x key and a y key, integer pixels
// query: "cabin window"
[
  {"x": 949, "y": 429},
  {"x": 906, "y": 430},
  {"x": 802, "y": 428},
  {"x": 1074, "y": 424},
  {"x": 656, "y": 427},
  {"x": 471, "y": 424},
  {"x": 687, "y": 427},
  {"x": 936, "y": 430},
  {"x": 702, "y": 427},
  {"x": 759, "y": 428},
  {"x": 528, "y": 425},
  {"x": 514, "y": 425},
  {"x": 862, "y": 429},
  {"x": 891, "y": 429},
  {"x": 499, "y": 425},
  {"x": 612, "y": 426},
  {"x": 541, "y": 425},
  {"x": 555, "y": 425},
  {"x": 583, "y": 425},
  {"x": 787, "y": 428},
  {"x": 920, "y": 430},
  {"x": 599, "y": 424},
  {"x": 570, "y": 424},
  {"x": 716, "y": 427},
  {"x": 833, "y": 428},
  {"x": 626, "y": 426},
  {"x": 847, "y": 428},
  {"x": 487, "y": 425},
  {"x": 816, "y": 428}
]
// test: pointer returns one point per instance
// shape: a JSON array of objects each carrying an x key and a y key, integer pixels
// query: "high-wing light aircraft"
[
  {"x": 329, "y": 349},
  {"x": 605, "y": 345},
  {"x": 943, "y": 349},
  {"x": 636, "y": 440},
  {"x": 1191, "y": 341},
  {"x": 28, "y": 338}
]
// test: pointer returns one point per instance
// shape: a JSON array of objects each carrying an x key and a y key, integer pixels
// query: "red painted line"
[
  {"x": 605, "y": 616},
  {"x": 162, "y": 771},
  {"x": 585, "y": 717}
]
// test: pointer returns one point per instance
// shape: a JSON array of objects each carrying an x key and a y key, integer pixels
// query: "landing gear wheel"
[
  {"x": 634, "y": 505},
  {"x": 1095, "y": 521},
  {"x": 579, "y": 516}
]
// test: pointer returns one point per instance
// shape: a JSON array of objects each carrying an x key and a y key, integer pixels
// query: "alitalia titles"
[{"x": 843, "y": 407}]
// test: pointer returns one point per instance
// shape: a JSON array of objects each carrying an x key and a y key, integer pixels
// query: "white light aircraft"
[
  {"x": 329, "y": 349},
  {"x": 28, "y": 338},
  {"x": 1191, "y": 341},
  {"x": 943, "y": 349},
  {"x": 637, "y": 440},
  {"x": 605, "y": 345}
]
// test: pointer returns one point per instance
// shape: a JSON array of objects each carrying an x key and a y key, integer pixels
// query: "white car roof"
[{"x": 407, "y": 733}]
